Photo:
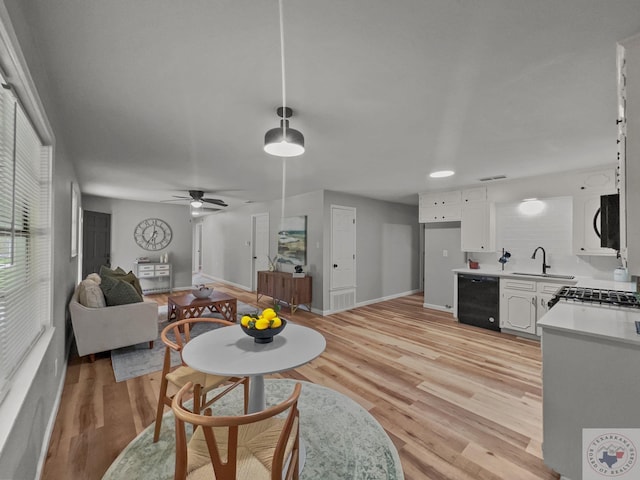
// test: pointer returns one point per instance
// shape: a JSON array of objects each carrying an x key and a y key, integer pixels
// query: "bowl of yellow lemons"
[{"x": 263, "y": 326}]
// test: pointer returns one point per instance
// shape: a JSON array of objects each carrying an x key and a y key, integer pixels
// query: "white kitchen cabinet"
[
  {"x": 586, "y": 219},
  {"x": 545, "y": 292},
  {"x": 629, "y": 134},
  {"x": 596, "y": 181},
  {"x": 523, "y": 302},
  {"x": 518, "y": 305},
  {"x": 439, "y": 207},
  {"x": 478, "y": 194},
  {"x": 478, "y": 227}
]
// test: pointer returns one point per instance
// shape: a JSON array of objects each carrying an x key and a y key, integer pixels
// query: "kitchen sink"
[{"x": 545, "y": 275}]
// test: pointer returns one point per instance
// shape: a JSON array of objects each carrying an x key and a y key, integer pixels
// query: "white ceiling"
[{"x": 156, "y": 97}]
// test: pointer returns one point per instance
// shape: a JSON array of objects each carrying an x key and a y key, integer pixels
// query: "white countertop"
[
  {"x": 612, "y": 323},
  {"x": 606, "y": 322},
  {"x": 580, "y": 281}
]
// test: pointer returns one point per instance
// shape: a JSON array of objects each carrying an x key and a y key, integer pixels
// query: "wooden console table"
[{"x": 283, "y": 286}]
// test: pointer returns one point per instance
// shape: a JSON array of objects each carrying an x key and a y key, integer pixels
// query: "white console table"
[{"x": 154, "y": 277}]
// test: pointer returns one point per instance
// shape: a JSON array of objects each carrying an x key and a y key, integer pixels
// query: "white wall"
[
  {"x": 226, "y": 247},
  {"x": 387, "y": 247},
  {"x": 126, "y": 214},
  {"x": 29, "y": 421}
]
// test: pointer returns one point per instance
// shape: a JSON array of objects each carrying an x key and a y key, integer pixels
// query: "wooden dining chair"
[
  {"x": 256, "y": 446},
  {"x": 175, "y": 336}
]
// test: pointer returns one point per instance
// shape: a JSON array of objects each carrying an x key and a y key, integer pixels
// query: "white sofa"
[{"x": 101, "y": 329}]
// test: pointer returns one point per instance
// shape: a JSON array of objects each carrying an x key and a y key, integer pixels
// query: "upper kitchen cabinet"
[
  {"x": 474, "y": 195},
  {"x": 586, "y": 210},
  {"x": 598, "y": 181},
  {"x": 629, "y": 149},
  {"x": 477, "y": 221},
  {"x": 587, "y": 226},
  {"x": 440, "y": 207}
]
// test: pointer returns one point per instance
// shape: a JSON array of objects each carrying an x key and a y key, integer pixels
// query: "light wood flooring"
[{"x": 458, "y": 402}]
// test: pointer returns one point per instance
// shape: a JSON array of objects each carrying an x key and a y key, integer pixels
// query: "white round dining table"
[{"x": 228, "y": 351}]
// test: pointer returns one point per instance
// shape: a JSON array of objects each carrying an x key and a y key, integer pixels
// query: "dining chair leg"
[
  {"x": 197, "y": 398},
  {"x": 161, "y": 403}
]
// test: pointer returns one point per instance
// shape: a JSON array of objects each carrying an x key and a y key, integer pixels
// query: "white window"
[{"x": 25, "y": 239}]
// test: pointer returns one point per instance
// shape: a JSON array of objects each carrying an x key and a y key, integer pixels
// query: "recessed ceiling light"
[{"x": 441, "y": 173}]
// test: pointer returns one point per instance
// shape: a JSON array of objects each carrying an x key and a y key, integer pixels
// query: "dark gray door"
[{"x": 96, "y": 242}]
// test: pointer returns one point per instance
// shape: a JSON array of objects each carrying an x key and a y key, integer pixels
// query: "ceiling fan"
[{"x": 197, "y": 199}]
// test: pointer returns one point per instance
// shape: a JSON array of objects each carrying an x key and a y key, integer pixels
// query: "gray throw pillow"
[{"x": 118, "y": 292}]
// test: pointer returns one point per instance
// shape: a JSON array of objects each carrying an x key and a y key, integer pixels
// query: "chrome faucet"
[{"x": 544, "y": 259}]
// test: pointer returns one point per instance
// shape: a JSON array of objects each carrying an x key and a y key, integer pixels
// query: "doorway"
[
  {"x": 260, "y": 246},
  {"x": 197, "y": 249},
  {"x": 96, "y": 242},
  {"x": 342, "y": 289}
]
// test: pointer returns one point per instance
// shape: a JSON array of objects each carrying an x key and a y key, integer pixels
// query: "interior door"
[
  {"x": 96, "y": 242},
  {"x": 343, "y": 247},
  {"x": 197, "y": 249},
  {"x": 260, "y": 242}
]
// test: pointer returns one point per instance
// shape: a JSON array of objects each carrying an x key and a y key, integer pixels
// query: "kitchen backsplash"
[{"x": 551, "y": 229}]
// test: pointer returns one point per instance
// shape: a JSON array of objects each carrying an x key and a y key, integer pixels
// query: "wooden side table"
[{"x": 188, "y": 306}]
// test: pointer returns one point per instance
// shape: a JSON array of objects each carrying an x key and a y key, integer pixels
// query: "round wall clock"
[{"x": 153, "y": 234}]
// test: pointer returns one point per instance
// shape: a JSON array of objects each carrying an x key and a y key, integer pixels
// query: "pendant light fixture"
[{"x": 283, "y": 141}]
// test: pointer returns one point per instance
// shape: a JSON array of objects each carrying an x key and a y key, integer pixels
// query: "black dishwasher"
[{"x": 479, "y": 301}]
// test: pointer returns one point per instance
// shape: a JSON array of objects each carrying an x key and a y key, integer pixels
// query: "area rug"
[
  {"x": 136, "y": 360},
  {"x": 342, "y": 440}
]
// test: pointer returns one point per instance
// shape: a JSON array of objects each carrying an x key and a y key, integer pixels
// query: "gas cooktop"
[{"x": 599, "y": 296}]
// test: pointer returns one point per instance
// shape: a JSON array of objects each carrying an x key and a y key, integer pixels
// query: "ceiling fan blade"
[
  {"x": 176, "y": 196},
  {"x": 215, "y": 201}
]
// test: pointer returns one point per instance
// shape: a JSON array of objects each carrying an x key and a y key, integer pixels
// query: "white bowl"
[{"x": 203, "y": 293}]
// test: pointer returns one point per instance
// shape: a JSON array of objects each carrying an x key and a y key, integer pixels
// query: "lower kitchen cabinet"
[
  {"x": 545, "y": 294},
  {"x": 523, "y": 303},
  {"x": 518, "y": 305}
]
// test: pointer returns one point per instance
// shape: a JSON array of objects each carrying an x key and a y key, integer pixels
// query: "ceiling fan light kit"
[{"x": 283, "y": 141}]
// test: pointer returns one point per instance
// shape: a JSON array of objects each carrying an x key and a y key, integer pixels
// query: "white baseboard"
[
  {"x": 437, "y": 307},
  {"x": 52, "y": 420},
  {"x": 372, "y": 301},
  {"x": 219, "y": 280}
]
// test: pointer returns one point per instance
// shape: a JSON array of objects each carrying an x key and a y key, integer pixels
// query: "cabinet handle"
[{"x": 533, "y": 301}]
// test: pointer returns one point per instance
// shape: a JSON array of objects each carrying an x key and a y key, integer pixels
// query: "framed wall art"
[{"x": 292, "y": 240}]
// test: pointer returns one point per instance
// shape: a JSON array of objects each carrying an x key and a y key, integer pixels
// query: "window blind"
[{"x": 25, "y": 240}]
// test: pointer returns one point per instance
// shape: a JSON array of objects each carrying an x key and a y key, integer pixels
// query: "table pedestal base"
[
  {"x": 256, "y": 394},
  {"x": 257, "y": 403}
]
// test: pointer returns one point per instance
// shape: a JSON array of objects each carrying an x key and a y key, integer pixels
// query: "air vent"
[{"x": 497, "y": 177}]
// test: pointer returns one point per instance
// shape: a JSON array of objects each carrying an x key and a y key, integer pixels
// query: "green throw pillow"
[
  {"x": 120, "y": 274},
  {"x": 104, "y": 270},
  {"x": 118, "y": 292}
]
